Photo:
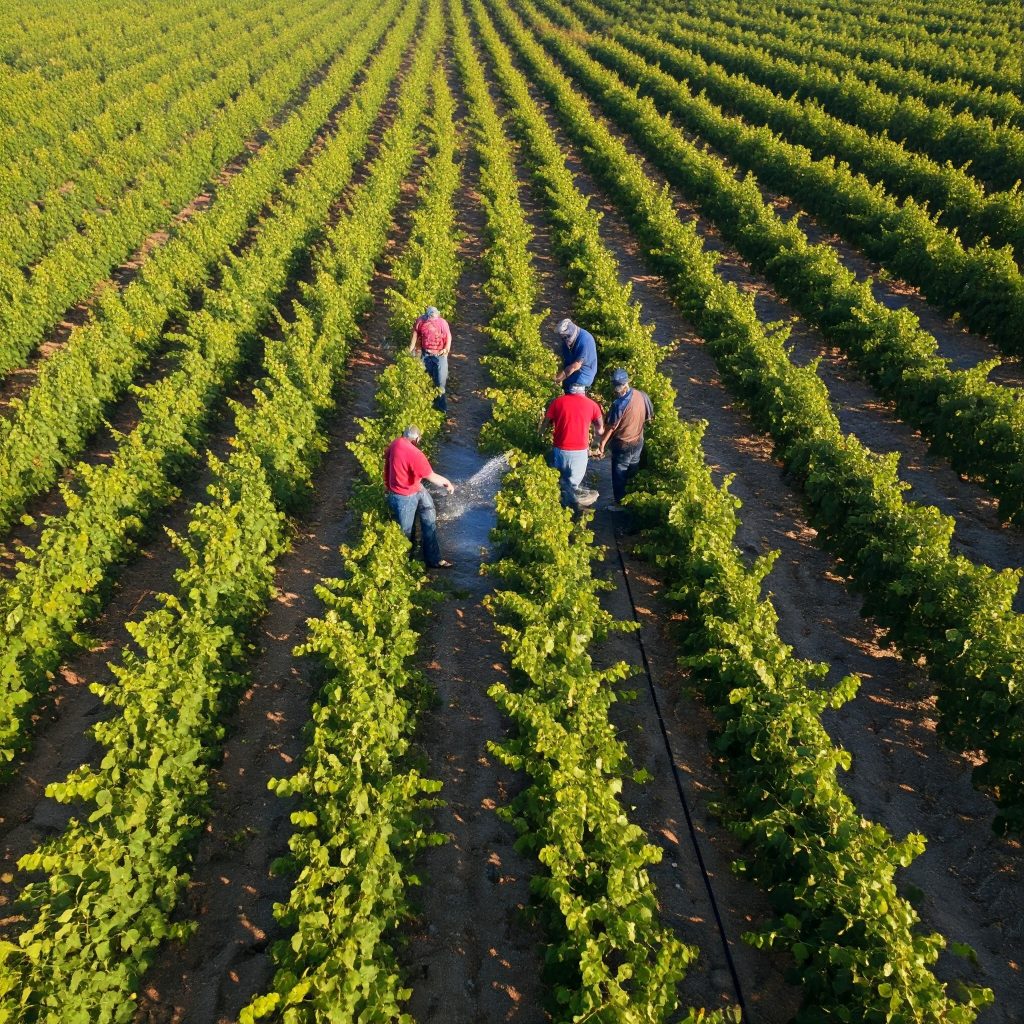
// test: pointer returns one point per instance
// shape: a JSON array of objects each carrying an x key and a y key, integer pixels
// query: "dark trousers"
[
  {"x": 437, "y": 367},
  {"x": 625, "y": 463}
]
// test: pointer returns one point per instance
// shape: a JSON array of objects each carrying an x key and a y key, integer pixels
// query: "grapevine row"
[
  {"x": 188, "y": 101},
  {"x": 45, "y": 107},
  {"x": 995, "y": 150},
  {"x": 1000, "y": 72},
  {"x": 59, "y": 141},
  {"x": 855, "y": 942},
  {"x": 818, "y": 58},
  {"x": 71, "y": 268},
  {"x": 61, "y": 583},
  {"x": 938, "y": 606},
  {"x": 116, "y": 877},
  {"x": 977, "y": 424},
  {"x": 77, "y": 385},
  {"x": 982, "y": 284},
  {"x": 836, "y": 109},
  {"x": 864, "y": 133},
  {"x": 362, "y": 820},
  {"x": 610, "y": 956}
]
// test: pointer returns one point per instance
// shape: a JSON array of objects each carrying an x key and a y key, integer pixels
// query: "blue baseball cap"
[
  {"x": 620, "y": 377},
  {"x": 431, "y": 311}
]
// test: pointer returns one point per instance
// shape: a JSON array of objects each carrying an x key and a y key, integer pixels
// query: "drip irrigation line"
[{"x": 680, "y": 790}]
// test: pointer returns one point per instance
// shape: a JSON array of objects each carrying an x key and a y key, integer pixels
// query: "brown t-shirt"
[{"x": 630, "y": 418}]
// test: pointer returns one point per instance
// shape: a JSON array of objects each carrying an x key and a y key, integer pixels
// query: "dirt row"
[{"x": 901, "y": 777}]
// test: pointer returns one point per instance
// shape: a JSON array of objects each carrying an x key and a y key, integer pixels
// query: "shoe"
[{"x": 443, "y": 564}]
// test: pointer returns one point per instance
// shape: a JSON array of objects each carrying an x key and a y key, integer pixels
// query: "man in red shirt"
[
  {"x": 405, "y": 469},
  {"x": 432, "y": 336},
  {"x": 572, "y": 417}
]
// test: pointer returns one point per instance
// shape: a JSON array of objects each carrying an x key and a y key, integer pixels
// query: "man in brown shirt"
[{"x": 624, "y": 429}]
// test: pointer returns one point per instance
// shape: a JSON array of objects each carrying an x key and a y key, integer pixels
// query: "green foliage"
[
  {"x": 936, "y": 605},
  {"x": 90, "y": 243},
  {"x": 110, "y": 883},
  {"x": 610, "y": 959},
  {"x": 77, "y": 384},
  {"x": 362, "y": 819},
  {"x": 857, "y": 952},
  {"x": 979, "y": 425},
  {"x": 428, "y": 270},
  {"x": 62, "y": 582}
]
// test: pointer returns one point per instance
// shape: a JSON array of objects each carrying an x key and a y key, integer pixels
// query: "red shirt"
[
  {"x": 572, "y": 416},
  {"x": 404, "y": 467},
  {"x": 434, "y": 334}
]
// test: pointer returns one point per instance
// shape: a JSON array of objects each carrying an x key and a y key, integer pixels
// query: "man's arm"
[
  {"x": 447, "y": 339},
  {"x": 607, "y": 434},
  {"x": 413, "y": 339},
  {"x": 568, "y": 371},
  {"x": 441, "y": 481}
]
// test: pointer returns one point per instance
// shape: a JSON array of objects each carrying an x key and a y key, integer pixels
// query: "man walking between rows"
[
  {"x": 624, "y": 430},
  {"x": 405, "y": 469},
  {"x": 572, "y": 416},
  {"x": 432, "y": 338},
  {"x": 579, "y": 356}
]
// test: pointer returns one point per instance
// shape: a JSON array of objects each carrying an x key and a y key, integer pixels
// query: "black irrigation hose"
[{"x": 679, "y": 789}]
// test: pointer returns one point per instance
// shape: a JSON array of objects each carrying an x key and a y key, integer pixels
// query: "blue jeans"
[
  {"x": 625, "y": 463},
  {"x": 403, "y": 509},
  {"x": 572, "y": 466},
  {"x": 437, "y": 367}
]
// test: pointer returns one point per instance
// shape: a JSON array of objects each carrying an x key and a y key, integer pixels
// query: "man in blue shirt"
[{"x": 579, "y": 356}]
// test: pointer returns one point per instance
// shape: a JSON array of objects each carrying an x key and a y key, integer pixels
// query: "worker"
[
  {"x": 432, "y": 338},
  {"x": 579, "y": 356},
  {"x": 405, "y": 469},
  {"x": 624, "y": 430},
  {"x": 572, "y": 416}
]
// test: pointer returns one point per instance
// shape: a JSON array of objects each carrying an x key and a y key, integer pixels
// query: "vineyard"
[{"x": 746, "y": 747}]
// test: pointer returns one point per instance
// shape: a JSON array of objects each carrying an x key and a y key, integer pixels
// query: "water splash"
[{"x": 477, "y": 492}]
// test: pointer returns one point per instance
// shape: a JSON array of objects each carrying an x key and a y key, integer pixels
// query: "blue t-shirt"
[{"x": 584, "y": 348}]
